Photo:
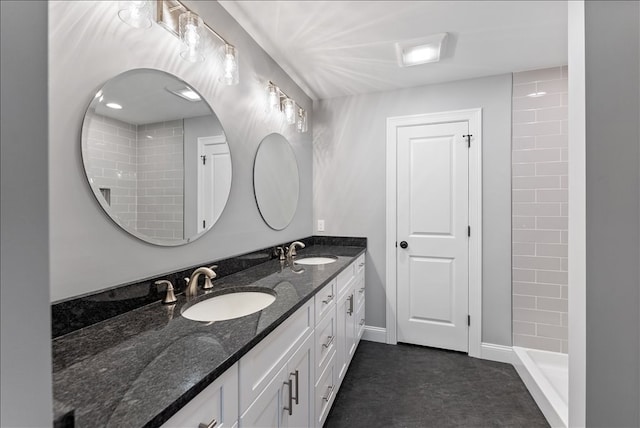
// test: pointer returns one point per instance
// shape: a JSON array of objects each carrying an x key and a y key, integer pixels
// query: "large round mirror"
[
  {"x": 156, "y": 157},
  {"x": 275, "y": 181}
]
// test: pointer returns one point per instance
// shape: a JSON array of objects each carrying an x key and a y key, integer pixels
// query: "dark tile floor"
[{"x": 413, "y": 386}]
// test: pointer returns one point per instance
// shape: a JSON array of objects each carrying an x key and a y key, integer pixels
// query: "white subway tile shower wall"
[{"x": 539, "y": 200}]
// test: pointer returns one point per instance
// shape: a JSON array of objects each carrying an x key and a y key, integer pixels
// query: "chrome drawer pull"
[
  {"x": 329, "y": 391},
  {"x": 296, "y": 374},
  {"x": 326, "y": 345},
  {"x": 328, "y": 300},
  {"x": 289, "y": 383},
  {"x": 212, "y": 424},
  {"x": 362, "y": 290},
  {"x": 350, "y": 310}
]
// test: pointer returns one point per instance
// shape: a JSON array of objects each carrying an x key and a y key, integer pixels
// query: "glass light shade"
[
  {"x": 190, "y": 30},
  {"x": 289, "y": 108},
  {"x": 230, "y": 65},
  {"x": 301, "y": 123},
  {"x": 273, "y": 98},
  {"x": 136, "y": 13}
]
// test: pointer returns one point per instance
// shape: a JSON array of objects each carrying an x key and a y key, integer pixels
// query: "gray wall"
[
  {"x": 25, "y": 337},
  {"x": 88, "y": 46},
  {"x": 612, "y": 213},
  {"x": 350, "y": 174}
]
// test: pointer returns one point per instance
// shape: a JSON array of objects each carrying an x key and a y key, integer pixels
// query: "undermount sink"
[
  {"x": 323, "y": 260},
  {"x": 228, "y": 306}
]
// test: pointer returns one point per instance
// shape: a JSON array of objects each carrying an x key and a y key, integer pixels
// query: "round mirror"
[
  {"x": 275, "y": 181},
  {"x": 156, "y": 157}
]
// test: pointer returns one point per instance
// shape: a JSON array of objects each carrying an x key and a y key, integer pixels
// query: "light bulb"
[
  {"x": 190, "y": 29},
  {"x": 301, "y": 123},
  {"x": 273, "y": 98},
  {"x": 136, "y": 13},
  {"x": 289, "y": 107},
  {"x": 230, "y": 65}
]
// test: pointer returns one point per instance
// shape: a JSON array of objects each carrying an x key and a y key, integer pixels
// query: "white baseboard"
[
  {"x": 499, "y": 353},
  {"x": 375, "y": 334}
]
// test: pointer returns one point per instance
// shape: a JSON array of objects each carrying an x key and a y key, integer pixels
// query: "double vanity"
[{"x": 280, "y": 365}]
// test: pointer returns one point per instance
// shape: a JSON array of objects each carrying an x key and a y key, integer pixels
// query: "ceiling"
[{"x": 337, "y": 48}]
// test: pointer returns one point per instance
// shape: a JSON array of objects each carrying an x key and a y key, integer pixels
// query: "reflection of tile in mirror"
[{"x": 106, "y": 194}]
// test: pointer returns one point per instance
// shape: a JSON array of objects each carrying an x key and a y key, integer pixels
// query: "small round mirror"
[
  {"x": 275, "y": 181},
  {"x": 156, "y": 157}
]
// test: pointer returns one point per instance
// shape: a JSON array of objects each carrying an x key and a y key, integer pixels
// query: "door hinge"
[
  {"x": 468, "y": 320},
  {"x": 204, "y": 224},
  {"x": 204, "y": 159},
  {"x": 468, "y": 137},
  {"x": 468, "y": 230},
  {"x": 396, "y": 244}
]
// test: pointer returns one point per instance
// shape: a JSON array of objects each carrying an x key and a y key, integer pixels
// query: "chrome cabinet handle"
[
  {"x": 211, "y": 424},
  {"x": 326, "y": 345},
  {"x": 295, "y": 374},
  {"x": 350, "y": 310},
  {"x": 329, "y": 391},
  {"x": 361, "y": 290},
  {"x": 361, "y": 264},
  {"x": 328, "y": 300},
  {"x": 362, "y": 322},
  {"x": 289, "y": 383}
]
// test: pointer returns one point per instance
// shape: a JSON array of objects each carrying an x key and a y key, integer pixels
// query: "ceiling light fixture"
[
  {"x": 114, "y": 106},
  {"x": 136, "y": 13},
  {"x": 420, "y": 51},
  {"x": 537, "y": 94},
  {"x": 277, "y": 100},
  {"x": 186, "y": 93}
]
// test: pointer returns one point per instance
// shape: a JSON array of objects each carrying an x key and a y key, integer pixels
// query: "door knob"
[{"x": 404, "y": 244}]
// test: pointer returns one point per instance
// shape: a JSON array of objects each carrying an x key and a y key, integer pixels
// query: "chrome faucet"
[
  {"x": 291, "y": 253},
  {"x": 192, "y": 282}
]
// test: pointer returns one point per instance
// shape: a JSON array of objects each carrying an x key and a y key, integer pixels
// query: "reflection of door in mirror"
[{"x": 214, "y": 178}]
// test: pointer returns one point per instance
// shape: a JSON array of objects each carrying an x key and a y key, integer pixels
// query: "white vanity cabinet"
[
  {"x": 290, "y": 378},
  {"x": 216, "y": 406}
]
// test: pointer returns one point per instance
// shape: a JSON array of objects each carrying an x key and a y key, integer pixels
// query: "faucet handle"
[
  {"x": 280, "y": 252},
  {"x": 170, "y": 297},
  {"x": 207, "y": 281}
]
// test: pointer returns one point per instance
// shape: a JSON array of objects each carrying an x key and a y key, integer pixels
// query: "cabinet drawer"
[
  {"x": 326, "y": 389},
  {"x": 325, "y": 342},
  {"x": 360, "y": 321},
  {"x": 346, "y": 278},
  {"x": 325, "y": 300},
  {"x": 217, "y": 401},
  {"x": 360, "y": 265},
  {"x": 260, "y": 365},
  {"x": 359, "y": 290}
]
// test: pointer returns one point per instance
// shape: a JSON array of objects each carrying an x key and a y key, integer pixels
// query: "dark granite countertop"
[{"x": 139, "y": 368}]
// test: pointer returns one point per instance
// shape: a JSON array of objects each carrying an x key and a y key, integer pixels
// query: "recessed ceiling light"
[
  {"x": 186, "y": 93},
  {"x": 114, "y": 106},
  {"x": 536, "y": 94},
  {"x": 420, "y": 51}
]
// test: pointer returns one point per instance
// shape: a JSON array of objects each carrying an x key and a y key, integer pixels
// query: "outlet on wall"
[{"x": 320, "y": 225}]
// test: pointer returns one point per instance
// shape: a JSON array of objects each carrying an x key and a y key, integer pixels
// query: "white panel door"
[
  {"x": 432, "y": 216},
  {"x": 214, "y": 179}
]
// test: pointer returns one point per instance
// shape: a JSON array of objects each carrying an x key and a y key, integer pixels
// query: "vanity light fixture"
[
  {"x": 136, "y": 13},
  {"x": 420, "y": 51},
  {"x": 273, "y": 97},
  {"x": 190, "y": 31},
  {"x": 289, "y": 108},
  {"x": 190, "y": 28},
  {"x": 277, "y": 100}
]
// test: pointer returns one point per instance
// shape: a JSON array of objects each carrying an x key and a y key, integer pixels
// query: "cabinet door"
[
  {"x": 267, "y": 410},
  {"x": 345, "y": 345},
  {"x": 218, "y": 401},
  {"x": 300, "y": 372}
]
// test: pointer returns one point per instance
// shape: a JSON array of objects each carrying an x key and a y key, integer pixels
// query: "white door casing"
[
  {"x": 473, "y": 118},
  {"x": 432, "y": 218},
  {"x": 214, "y": 179}
]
